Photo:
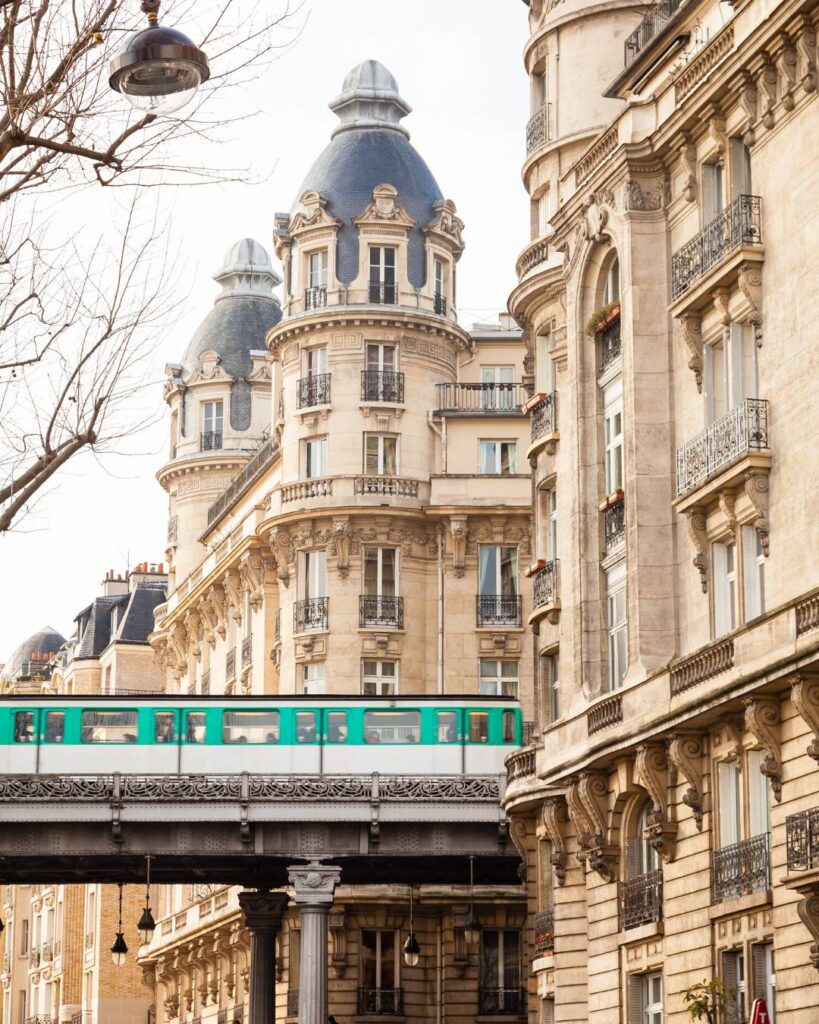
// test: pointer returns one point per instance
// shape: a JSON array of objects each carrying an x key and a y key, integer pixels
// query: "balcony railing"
[
  {"x": 641, "y": 899},
  {"x": 383, "y": 294},
  {"x": 314, "y": 390},
  {"x": 522, "y": 764},
  {"x": 439, "y": 304},
  {"x": 40, "y": 1019},
  {"x": 654, "y": 22},
  {"x": 498, "y": 609},
  {"x": 230, "y": 664},
  {"x": 378, "y": 610},
  {"x": 480, "y": 399},
  {"x": 210, "y": 441},
  {"x": 614, "y": 525},
  {"x": 501, "y": 1002},
  {"x": 744, "y": 429},
  {"x": 310, "y": 614},
  {"x": 380, "y": 1001},
  {"x": 301, "y": 490},
  {"x": 382, "y": 386},
  {"x": 390, "y": 485},
  {"x": 537, "y": 128},
  {"x": 47, "y": 951},
  {"x": 34, "y": 958},
  {"x": 204, "y": 685},
  {"x": 315, "y": 297},
  {"x": 740, "y": 869},
  {"x": 738, "y": 224},
  {"x": 247, "y": 650},
  {"x": 716, "y": 658},
  {"x": 544, "y": 417},
  {"x": 607, "y": 712},
  {"x": 546, "y": 584},
  {"x": 265, "y": 454},
  {"x": 802, "y": 840},
  {"x": 610, "y": 344},
  {"x": 545, "y": 933}
]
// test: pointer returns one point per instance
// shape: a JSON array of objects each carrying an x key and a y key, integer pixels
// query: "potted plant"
[{"x": 601, "y": 318}]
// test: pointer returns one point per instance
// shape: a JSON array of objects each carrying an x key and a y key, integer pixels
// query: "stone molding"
[{"x": 314, "y": 884}]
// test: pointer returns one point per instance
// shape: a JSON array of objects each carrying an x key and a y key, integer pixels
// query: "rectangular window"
[
  {"x": 380, "y": 454},
  {"x": 337, "y": 727},
  {"x": 195, "y": 727},
  {"x": 317, "y": 269},
  {"x": 315, "y": 574},
  {"x": 501, "y": 972},
  {"x": 753, "y": 573},
  {"x": 447, "y": 727},
  {"x": 498, "y": 391},
  {"x": 250, "y": 727},
  {"x": 109, "y": 727},
  {"x": 24, "y": 727},
  {"x": 498, "y": 457},
  {"x": 733, "y": 974},
  {"x": 380, "y": 577},
  {"x": 164, "y": 726},
  {"x": 478, "y": 722},
  {"x": 498, "y": 570},
  {"x": 725, "y": 588},
  {"x": 617, "y": 626},
  {"x": 438, "y": 274},
  {"x": 498, "y": 678},
  {"x": 730, "y": 802},
  {"x": 739, "y": 157},
  {"x": 379, "y": 678},
  {"x": 392, "y": 727},
  {"x": 381, "y": 358},
  {"x": 24, "y": 935},
  {"x": 538, "y": 90},
  {"x": 315, "y": 457},
  {"x": 759, "y": 798},
  {"x": 382, "y": 274},
  {"x": 613, "y": 435},
  {"x": 314, "y": 361},
  {"x": 379, "y": 969},
  {"x": 313, "y": 677},
  {"x": 212, "y": 417},
  {"x": 54, "y": 726},
  {"x": 306, "y": 727},
  {"x": 713, "y": 191},
  {"x": 652, "y": 998},
  {"x": 730, "y": 370},
  {"x": 550, "y": 683}
]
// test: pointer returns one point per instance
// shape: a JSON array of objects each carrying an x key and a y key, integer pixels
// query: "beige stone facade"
[{"x": 667, "y": 805}]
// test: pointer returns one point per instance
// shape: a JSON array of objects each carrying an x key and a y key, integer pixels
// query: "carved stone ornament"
[
  {"x": 767, "y": 85},
  {"x": 385, "y": 208},
  {"x": 806, "y": 48},
  {"x": 232, "y": 583},
  {"x": 716, "y": 129},
  {"x": 595, "y": 219},
  {"x": 554, "y": 819},
  {"x": 281, "y": 549},
  {"x": 750, "y": 284},
  {"x": 725, "y": 500},
  {"x": 685, "y": 752},
  {"x": 647, "y": 200},
  {"x": 338, "y": 942},
  {"x": 697, "y": 532},
  {"x": 251, "y": 571},
  {"x": 447, "y": 222},
  {"x": 808, "y": 910},
  {"x": 218, "y": 600},
  {"x": 263, "y": 910},
  {"x": 457, "y": 526},
  {"x": 688, "y": 159},
  {"x": 762, "y": 719},
  {"x": 651, "y": 771},
  {"x": 748, "y": 98},
  {"x": 314, "y": 883},
  {"x": 756, "y": 487},
  {"x": 207, "y": 617},
  {"x": 193, "y": 625},
  {"x": 601, "y": 857},
  {"x": 805, "y": 697},
  {"x": 691, "y": 325},
  {"x": 787, "y": 64},
  {"x": 342, "y": 535}
]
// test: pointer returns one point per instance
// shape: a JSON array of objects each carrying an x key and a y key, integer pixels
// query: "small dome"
[
  {"x": 33, "y": 655},
  {"x": 369, "y": 97},
  {"x": 247, "y": 270}
]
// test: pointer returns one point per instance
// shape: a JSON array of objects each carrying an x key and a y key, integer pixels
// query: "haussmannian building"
[{"x": 669, "y": 804}]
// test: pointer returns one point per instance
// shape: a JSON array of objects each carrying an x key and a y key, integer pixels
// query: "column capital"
[
  {"x": 263, "y": 910},
  {"x": 314, "y": 883}
]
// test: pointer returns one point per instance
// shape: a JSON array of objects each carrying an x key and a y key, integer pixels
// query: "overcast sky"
[{"x": 458, "y": 65}]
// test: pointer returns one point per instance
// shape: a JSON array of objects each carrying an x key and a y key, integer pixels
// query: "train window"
[
  {"x": 165, "y": 726},
  {"x": 109, "y": 727},
  {"x": 195, "y": 727},
  {"x": 392, "y": 726},
  {"x": 24, "y": 727},
  {"x": 54, "y": 726},
  {"x": 447, "y": 727},
  {"x": 509, "y": 727},
  {"x": 306, "y": 726},
  {"x": 478, "y": 727},
  {"x": 250, "y": 727},
  {"x": 336, "y": 726}
]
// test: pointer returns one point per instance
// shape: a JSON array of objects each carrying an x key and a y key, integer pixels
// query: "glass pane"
[
  {"x": 511, "y": 960},
  {"x": 509, "y": 575},
  {"x": 109, "y": 727},
  {"x": 373, "y": 357},
  {"x": 370, "y": 572},
  {"x": 488, "y": 569},
  {"x": 306, "y": 726},
  {"x": 392, "y": 726},
  {"x": 164, "y": 727},
  {"x": 488, "y": 458},
  {"x": 24, "y": 727},
  {"x": 250, "y": 726},
  {"x": 509, "y": 458},
  {"x": 371, "y": 453},
  {"x": 387, "y": 572},
  {"x": 389, "y": 465},
  {"x": 195, "y": 727},
  {"x": 509, "y": 727},
  {"x": 336, "y": 726},
  {"x": 478, "y": 727},
  {"x": 490, "y": 959},
  {"x": 447, "y": 727},
  {"x": 54, "y": 726},
  {"x": 369, "y": 953},
  {"x": 387, "y": 960}
]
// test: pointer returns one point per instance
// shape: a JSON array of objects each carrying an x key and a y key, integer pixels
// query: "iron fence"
[
  {"x": 439, "y": 304},
  {"x": 498, "y": 609},
  {"x": 247, "y": 650},
  {"x": 381, "y": 1001},
  {"x": 610, "y": 344},
  {"x": 381, "y": 610},
  {"x": 545, "y": 933},
  {"x": 210, "y": 440},
  {"x": 498, "y": 1002},
  {"x": 382, "y": 386},
  {"x": 314, "y": 390},
  {"x": 742, "y": 430},
  {"x": 802, "y": 840},
  {"x": 310, "y": 614},
  {"x": 230, "y": 664},
  {"x": 265, "y": 454},
  {"x": 653, "y": 23},
  {"x": 741, "y": 868},
  {"x": 640, "y": 899},
  {"x": 614, "y": 525},
  {"x": 278, "y": 626},
  {"x": 544, "y": 416},
  {"x": 537, "y": 128},
  {"x": 738, "y": 224},
  {"x": 545, "y": 584},
  {"x": 204, "y": 685}
]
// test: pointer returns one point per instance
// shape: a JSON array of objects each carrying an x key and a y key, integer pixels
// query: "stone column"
[
  {"x": 314, "y": 884},
  {"x": 263, "y": 915}
]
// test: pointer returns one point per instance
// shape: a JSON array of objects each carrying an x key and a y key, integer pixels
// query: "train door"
[
  {"x": 306, "y": 745},
  {"x": 195, "y": 742},
  {"x": 54, "y": 756},
  {"x": 336, "y": 743},
  {"x": 21, "y": 746},
  {"x": 477, "y": 742},
  {"x": 164, "y": 740},
  {"x": 447, "y": 741}
]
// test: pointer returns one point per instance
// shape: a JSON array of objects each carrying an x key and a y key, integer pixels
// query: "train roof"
[{"x": 195, "y": 700}]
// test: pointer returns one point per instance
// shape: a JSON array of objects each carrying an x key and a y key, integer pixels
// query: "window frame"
[
  {"x": 500, "y": 562},
  {"x": 616, "y": 585},
  {"x": 320, "y": 444},
  {"x": 381, "y": 460},
  {"x": 316, "y": 686},
  {"x": 614, "y": 438},
  {"x": 382, "y": 683},
  {"x": 499, "y": 677},
  {"x": 318, "y": 275},
  {"x": 498, "y": 444}
]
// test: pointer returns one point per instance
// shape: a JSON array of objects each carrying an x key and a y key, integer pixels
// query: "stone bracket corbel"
[
  {"x": 762, "y": 717},
  {"x": 555, "y": 816},
  {"x": 651, "y": 769},
  {"x": 806, "y": 48},
  {"x": 756, "y": 487},
  {"x": 688, "y": 158},
  {"x": 218, "y": 601},
  {"x": 691, "y": 325},
  {"x": 602, "y": 856},
  {"x": 685, "y": 752},
  {"x": 233, "y": 592},
  {"x": 697, "y": 532},
  {"x": 342, "y": 534},
  {"x": 748, "y": 98},
  {"x": 251, "y": 569},
  {"x": 805, "y": 697},
  {"x": 767, "y": 81},
  {"x": 787, "y": 64},
  {"x": 281, "y": 549},
  {"x": 459, "y": 532},
  {"x": 808, "y": 910},
  {"x": 338, "y": 943},
  {"x": 750, "y": 284}
]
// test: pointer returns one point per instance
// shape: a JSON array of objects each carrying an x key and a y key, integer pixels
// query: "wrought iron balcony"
[
  {"x": 742, "y": 430},
  {"x": 545, "y": 933},
  {"x": 741, "y": 868},
  {"x": 501, "y": 1002},
  {"x": 210, "y": 441},
  {"x": 380, "y": 1001},
  {"x": 537, "y": 128},
  {"x": 204, "y": 685},
  {"x": 247, "y": 650},
  {"x": 378, "y": 610},
  {"x": 439, "y": 304},
  {"x": 802, "y": 840},
  {"x": 40, "y": 1019},
  {"x": 641, "y": 899},
  {"x": 498, "y": 609},
  {"x": 230, "y": 664},
  {"x": 480, "y": 399},
  {"x": 292, "y": 1002},
  {"x": 614, "y": 525},
  {"x": 310, "y": 614},
  {"x": 383, "y": 294},
  {"x": 544, "y": 416},
  {"x": 315, "y": 297},
  {"x": 546, "y": 584},
  {"x": 265, "y": 453},
  {"x": 390, "y": 485},
  {"x": 610, "y": 346},
  {"x": 314, "y": 390},
  {"x": 382, "y": 386},
  {"x": 738, "y": 224},
  {"x": 652, "y": 24}
]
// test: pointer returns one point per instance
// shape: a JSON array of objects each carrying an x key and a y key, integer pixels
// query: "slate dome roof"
[
  {"x": 242, "y": 314},
  {"x": 45, "y": 641},
  {"x": 370, "y": 147}
]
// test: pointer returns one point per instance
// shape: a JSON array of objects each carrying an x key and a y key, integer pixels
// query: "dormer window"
[
  {"x": 212, "y": 420},
  {"x": 439, "y": 276},
  {"x": 382, "y": 274},
  {"x": 315, "y": 295}
]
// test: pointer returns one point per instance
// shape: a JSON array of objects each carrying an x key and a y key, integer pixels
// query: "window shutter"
[
  {"x": 740, "y": 168},
  {"x": 729, "y": 976},
  {"x": 759, "y": 973},
  {"x": 548, "y": 1015},
  {"x": 722, "y": 603},
  {"x": 728, "y": 811},
  {"x": 758, "y": 794},
  {"x": 709, "y": 193},
  {"x": 636, "y": 984},
  {"x": 751, "y": 588}
]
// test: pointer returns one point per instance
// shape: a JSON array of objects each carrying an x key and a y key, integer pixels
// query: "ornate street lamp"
[
  {"x": 119, "y": 950},
  {"x": 412, "y": 951},
  {"x": 158, "y": 69},
  {"x": 472, "y": 926},
  {"x": 147, "y": 925}
]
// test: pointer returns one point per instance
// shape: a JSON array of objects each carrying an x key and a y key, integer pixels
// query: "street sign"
[{"x": 759, "y": 1012}]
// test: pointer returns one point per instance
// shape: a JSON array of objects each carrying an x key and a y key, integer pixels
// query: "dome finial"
[
  {"x": 247, "y": 270},
  {"x": 369, "y": 98}
]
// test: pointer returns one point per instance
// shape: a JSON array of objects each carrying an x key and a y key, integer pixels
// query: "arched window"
[
  {"x": 641, "y": 857},
  {"x": 611, "y": 282}
]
